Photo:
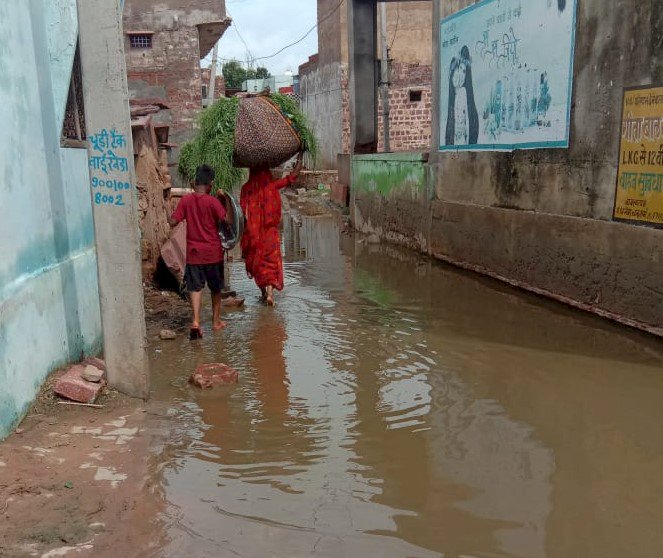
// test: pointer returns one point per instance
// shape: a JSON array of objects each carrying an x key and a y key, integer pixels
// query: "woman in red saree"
[{"x": 261, "y": 242}]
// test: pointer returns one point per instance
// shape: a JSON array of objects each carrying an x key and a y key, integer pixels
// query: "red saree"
[{"x": 261, "y": 243}]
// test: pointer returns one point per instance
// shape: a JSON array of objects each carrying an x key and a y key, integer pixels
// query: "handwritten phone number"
[
  {"x": 108, "y": 199},
  {"x": 115, "y": 185}
]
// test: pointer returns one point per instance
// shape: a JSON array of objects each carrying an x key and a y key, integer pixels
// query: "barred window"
[
  {"x": 73, "y": 126},
  {"x": 140, "y": 40}
]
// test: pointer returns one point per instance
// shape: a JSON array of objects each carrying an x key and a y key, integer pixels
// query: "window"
[
  {"x": 415, "y": 95},
  {"x": 140, "y": 40},
  {"x": 73, "y": 126},
  {"x": 204, "y": 91}
]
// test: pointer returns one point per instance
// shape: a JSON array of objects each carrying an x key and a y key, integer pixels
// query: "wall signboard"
[
  {"x": 639, "y": 195},
  {"x": 506, "y": 75}
]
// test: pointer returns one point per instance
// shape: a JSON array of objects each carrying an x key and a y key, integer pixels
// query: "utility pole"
[
  {"x": 212, "y": 74},
  {"x": 384, "y": 76},
  {"x": 113, "y": 195}
]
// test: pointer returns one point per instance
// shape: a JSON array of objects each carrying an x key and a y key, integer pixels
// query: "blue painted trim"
[
  {"x": 573, "y": 51},
  {"x": 506, "y": 146}
]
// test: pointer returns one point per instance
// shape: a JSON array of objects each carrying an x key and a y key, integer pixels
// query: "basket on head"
[{"x": 263, "y": 136}]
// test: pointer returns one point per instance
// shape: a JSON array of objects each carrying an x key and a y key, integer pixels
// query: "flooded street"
[{"x": 391, "y": 406}]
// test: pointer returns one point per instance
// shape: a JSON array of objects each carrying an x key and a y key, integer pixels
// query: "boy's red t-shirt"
[{"x": 202, "y": 214}]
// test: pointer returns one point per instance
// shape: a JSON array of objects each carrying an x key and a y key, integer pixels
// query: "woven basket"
[{"x": 263, "y": 136}]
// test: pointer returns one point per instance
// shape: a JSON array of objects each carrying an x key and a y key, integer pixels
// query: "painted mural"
[{"x": 506, "y": 75}]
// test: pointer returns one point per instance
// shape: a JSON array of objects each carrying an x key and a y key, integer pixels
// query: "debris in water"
[
  {"x": 208, "y": 376},
  {"x": 167, "y": 334}
]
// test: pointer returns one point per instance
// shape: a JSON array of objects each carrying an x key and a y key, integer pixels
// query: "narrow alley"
[
  {"x": 388, "y": 396},
  {"x": 383, "y": 279}
]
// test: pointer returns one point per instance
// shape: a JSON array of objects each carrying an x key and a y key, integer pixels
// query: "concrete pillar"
[
  {"x": 114, "y": 196},
  {"x": 362, "y": 35}
]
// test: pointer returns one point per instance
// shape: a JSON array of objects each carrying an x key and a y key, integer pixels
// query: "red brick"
[
  {"x": 339, "y": 193},
  {"x": 72, "y": 386},
  {"x": 208, "y": 376}
]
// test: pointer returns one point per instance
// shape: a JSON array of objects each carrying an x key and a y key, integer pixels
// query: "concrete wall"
[
  {"x": 49, "y": 309},
  {"x": 408, "y": 32},
  {"x": 322, "y": 92},
  {"x": 542, "y": 219},
  {"x": 390, "y": 197}
]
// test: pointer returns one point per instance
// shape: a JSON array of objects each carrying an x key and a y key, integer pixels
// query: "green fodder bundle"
[
  {"x": 214, "y": 144},
  {"x": 289, "y": 108}
]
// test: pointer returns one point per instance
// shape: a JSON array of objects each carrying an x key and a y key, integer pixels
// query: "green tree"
[
  {"x": 262, "y": 73},
  {"x": 233, "y": 74}
]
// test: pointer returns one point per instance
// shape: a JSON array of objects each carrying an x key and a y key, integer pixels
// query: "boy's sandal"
[{"x": 195, "y": 333}]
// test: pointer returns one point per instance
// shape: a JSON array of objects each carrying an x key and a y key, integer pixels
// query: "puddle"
[{"x": 393, "y": 406}]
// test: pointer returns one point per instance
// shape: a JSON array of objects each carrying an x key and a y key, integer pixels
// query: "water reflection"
[{"x": 390, "y": 406}]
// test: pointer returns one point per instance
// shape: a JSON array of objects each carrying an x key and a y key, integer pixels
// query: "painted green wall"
[{"x": 390, "y": 173}]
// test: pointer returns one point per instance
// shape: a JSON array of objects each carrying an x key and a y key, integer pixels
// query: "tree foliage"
[{"x": 235, "y": 75}]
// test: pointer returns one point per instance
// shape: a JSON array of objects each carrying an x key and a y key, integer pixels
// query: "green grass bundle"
[
  {"x": 214, "y": 143},
  {"x": 289, "y": 108}
]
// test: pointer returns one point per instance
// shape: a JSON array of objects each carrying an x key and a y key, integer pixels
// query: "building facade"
[
  {"x": 164, "y": 44},
  {"x": 324, "y": 84}
]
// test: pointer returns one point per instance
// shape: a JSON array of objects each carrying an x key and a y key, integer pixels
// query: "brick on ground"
[
  {"x": 210, "y": 375},
  {"x": 71, "y": 385}
]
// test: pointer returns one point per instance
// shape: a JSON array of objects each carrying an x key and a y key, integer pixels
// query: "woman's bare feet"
[
  {"x": 218, "y": 326},
  {"x": 269, "y": 296}
]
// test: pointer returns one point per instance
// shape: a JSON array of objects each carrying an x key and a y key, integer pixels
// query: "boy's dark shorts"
[{"x": 197, "y": 275}]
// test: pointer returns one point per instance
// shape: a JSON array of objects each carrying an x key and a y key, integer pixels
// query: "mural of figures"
[
  {"x": 513, "y": 61},
  {"x": 463, "y": 119}
]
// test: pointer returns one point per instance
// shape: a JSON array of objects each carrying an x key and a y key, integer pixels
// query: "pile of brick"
[{"x": 82, "y": 383}]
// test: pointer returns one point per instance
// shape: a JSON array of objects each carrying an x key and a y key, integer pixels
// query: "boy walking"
[{"x": 204, "y": 254}]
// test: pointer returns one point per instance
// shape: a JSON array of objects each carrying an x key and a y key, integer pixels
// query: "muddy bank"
[{"x": 79, "y": 481}]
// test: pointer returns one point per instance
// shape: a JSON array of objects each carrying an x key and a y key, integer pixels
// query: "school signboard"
[
  {"x": 506, "y": 75},
  {"x": 639, "y": 196}
]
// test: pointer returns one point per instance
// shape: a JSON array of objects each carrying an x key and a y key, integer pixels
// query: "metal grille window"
[
  {"x": 73, "y": 127},
  {"x": 140, "y": 40}
]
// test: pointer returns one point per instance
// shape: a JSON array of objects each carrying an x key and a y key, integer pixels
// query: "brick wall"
[
  {"x": 171, "y": 74},
  {"x": 346, "y": 133},
  {"x": 409, "y": 120}
]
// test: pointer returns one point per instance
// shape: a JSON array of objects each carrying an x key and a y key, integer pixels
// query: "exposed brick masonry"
[{"x": 410, "y": 122}]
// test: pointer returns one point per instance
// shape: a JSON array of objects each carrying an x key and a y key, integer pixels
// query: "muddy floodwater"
[{"x": 391, "y": 406}]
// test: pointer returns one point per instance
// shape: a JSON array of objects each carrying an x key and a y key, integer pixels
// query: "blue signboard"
[{"x": 507, "y": 75}]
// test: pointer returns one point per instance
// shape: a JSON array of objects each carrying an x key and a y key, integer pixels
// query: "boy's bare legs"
[
  {"x": 196, "y": 303},
  {"x": 216, "y": 312}
]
